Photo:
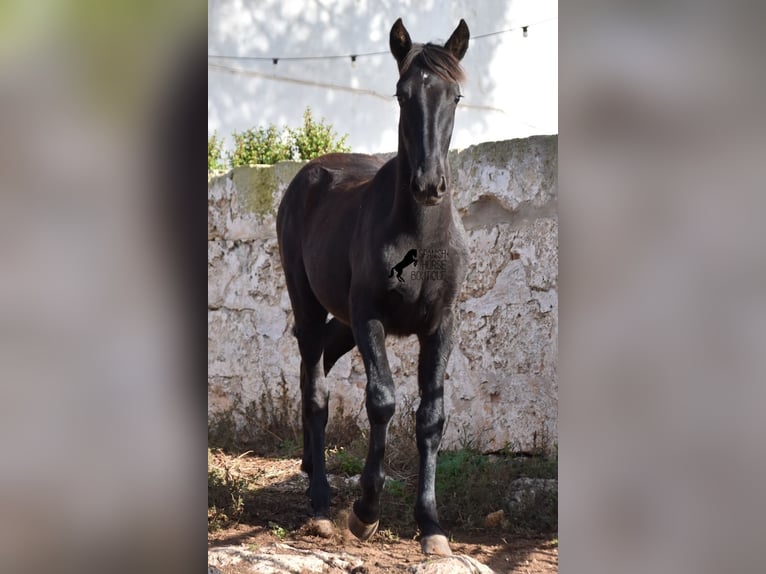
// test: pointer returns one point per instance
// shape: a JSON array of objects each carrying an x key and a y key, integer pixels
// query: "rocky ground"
[{"x": 274, "y": 536}]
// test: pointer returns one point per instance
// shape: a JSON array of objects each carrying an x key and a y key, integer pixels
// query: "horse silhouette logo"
[{"x": 410, "y": 258}]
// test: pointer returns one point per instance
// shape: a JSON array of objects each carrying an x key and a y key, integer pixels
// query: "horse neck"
[{"x": 420, "y": 220}]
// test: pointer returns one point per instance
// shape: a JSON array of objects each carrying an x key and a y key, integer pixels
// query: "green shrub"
[
  {"x": 471, "y": 485},
  {"x": 454, "y": 467},
  {"x": 270, "y": 145},
  {"x": 348, "y": 463},
  {"x": 316, "y": 138},
  {"x": 214, "y": 153},
  {"x": 259, "y": 146}
]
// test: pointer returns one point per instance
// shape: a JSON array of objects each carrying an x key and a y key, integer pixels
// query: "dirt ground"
[{"x": 276, "y": 510}]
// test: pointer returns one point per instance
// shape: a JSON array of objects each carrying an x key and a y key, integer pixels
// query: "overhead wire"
[
  {"x": 312, "y": 83},
  {"x": 354, "y": 56}
]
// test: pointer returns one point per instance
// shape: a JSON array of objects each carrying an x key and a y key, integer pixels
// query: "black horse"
[
  {"x": 343, "y": 222},
  {"x": 410, "y": 259}
]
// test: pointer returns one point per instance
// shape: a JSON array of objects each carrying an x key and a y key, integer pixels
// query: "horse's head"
[{"x": 428, "y": 91}]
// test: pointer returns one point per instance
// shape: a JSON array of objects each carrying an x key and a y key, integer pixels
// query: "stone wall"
[{"x": 501, "y": 384}]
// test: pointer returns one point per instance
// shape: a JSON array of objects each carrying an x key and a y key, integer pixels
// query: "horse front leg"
[
  {"x": 434, "y": 353},
  {"x": 381, "y": 403}
]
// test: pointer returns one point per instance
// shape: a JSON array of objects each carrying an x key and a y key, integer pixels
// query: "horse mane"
[{"x": 435, "y": 59}]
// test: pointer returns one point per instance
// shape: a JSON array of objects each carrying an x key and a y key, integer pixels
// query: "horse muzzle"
[{"x": 429, "y": 191}]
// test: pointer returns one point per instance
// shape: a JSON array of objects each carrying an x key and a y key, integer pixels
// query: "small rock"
[
  {"x": 456, "y": 564},
  {"x": 283, "y": 559},
  {"x": 522, "y": 488}
]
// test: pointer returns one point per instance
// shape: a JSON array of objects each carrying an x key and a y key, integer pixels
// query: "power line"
[
  {"x": 276, "y": 60},
  {"x": 524, "y": 29},
  {"x": 353, "y": 57},
  {"x": 302, "y": 82},
  {"x": 289, "y": 80}
]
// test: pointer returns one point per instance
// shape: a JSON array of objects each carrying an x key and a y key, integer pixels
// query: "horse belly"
[{"x": 329, "y": 276}]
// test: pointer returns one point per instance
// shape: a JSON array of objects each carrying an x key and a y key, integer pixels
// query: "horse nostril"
[
  {"x": 432, "y": 187},
  {"x": 442, "y": 185}
]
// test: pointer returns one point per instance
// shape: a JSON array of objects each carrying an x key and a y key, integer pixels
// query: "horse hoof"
[
  {"x": 359, "y": 529},
  {"x": 435, "y": 544},
  {"x": 321, "y": 527}
]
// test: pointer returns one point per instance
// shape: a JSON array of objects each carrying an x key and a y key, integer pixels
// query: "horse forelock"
[{"x": 435, "y": 59}]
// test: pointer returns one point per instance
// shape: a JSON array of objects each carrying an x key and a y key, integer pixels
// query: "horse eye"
[
  {"x": 457, "y": 98},
  {"x": 401, "y": 97}
]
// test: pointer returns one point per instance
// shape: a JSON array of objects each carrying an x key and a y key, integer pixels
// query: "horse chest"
[
  {"x": 415, "y": 307},
  {"x": 422, "y": 282}
]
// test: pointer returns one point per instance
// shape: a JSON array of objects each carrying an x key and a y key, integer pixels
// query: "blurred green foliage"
[{"x": 268, "y": 145}]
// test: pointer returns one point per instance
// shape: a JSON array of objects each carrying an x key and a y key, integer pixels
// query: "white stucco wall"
[
  {"x": 501, "y": 384},
  {"x": 511, "y": 89}
]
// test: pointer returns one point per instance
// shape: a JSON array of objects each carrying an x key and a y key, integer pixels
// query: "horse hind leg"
[
  {"x": 314, "y": 413},
  {"x": 310, "y": 318}
]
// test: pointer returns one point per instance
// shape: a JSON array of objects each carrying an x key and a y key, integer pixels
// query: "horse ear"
[
  {"x": 399, "y": 41},
  {"x": 458, "y": 42}
]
